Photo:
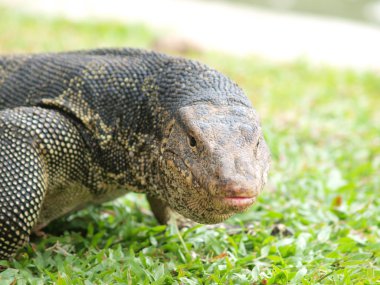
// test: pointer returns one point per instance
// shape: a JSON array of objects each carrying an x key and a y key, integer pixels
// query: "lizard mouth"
[
  {"x": 226, "y": 200},
  {"x": 238, "y": 197},
  {"x": 238, "y": 203}
]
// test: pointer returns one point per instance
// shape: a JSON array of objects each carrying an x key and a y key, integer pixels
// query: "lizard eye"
[{"x": 192, "y": 141}]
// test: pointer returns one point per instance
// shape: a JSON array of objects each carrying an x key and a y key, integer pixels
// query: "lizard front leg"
[
  {"x": 41, "y": 151},
  {"x": 22, "y": 187},
  {"x": 160, "y": 209},
  {"x": 165, "y": 215}
]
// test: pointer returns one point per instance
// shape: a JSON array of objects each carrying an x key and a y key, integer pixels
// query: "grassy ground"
[{"x": 322, "y": 126}]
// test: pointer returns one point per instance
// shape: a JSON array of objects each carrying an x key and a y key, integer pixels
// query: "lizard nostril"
[
  {"x": 233, "y": 188},
  {"x": 240, "y": 192}
]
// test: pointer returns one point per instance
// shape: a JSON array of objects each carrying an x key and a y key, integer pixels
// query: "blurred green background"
[{"x": 359, "y": 10}]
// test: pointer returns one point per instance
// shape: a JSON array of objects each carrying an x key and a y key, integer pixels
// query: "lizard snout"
[
  {"x": 236, "y": 184},
  {"x": 236, "y": 177}
]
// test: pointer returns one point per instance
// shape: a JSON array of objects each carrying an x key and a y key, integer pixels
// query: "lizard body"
[{"x": 89, "y": 126}]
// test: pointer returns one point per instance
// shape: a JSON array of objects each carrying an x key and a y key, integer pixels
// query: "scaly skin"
[{"x": 86, "y": 127}]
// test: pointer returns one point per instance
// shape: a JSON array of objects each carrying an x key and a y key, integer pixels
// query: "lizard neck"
[{"x": 128, "y": 158}]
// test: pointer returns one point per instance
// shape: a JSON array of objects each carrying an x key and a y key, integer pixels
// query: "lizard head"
[{"x": 214, "y": 161}]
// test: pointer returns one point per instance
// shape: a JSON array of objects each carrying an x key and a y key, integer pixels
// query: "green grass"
[{"x": 323, "y": 128}]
